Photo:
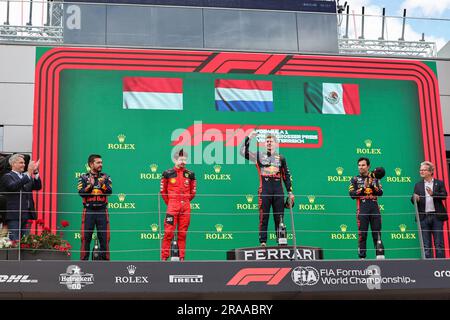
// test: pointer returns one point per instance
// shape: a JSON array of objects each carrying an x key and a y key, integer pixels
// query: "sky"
[{"x": 437, "y": 30}]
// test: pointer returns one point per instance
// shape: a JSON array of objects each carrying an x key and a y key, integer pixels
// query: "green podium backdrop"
[{"x": 136, "y": 147}]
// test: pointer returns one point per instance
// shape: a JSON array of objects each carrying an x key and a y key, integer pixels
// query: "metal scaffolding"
[
  {"x": 52, "y": 32},
  {"x": 387, "y": 48},
  {"x": 49, "y": 33}
]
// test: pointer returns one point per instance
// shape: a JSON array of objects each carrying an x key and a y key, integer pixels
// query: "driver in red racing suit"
[{"x": 178, "y": 188}]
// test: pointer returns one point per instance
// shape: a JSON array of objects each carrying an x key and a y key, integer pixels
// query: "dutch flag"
[{"x": 243, "y": 95}]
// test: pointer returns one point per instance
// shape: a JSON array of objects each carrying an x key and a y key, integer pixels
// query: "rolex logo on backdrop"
[
  {"x": 398, "y": 177},
  {"x": 218, "y": 174},
  {"x": 250, "y": 204},
  {"x": 121, "y": 145},
  {"x": 195, "y": 206},
  {"x": 151, "y": 174},
  {"x": 79, "y": 173},
  {"x": 77, "y": 236},
  {"x": 311, "y": 205},
  {"x": 343, "y": 234},
  {"x": 340, "y": 177},
  {"x": 121, "y": 204},
  {"x": 367, "y": 149},
  {"x": 154, "y": 233},
  {"x": 403, "y": 234},
  {"x": 219, "y": 234}
]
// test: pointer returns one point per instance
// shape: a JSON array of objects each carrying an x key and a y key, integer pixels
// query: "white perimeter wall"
[{"x": 16, "y": 96}]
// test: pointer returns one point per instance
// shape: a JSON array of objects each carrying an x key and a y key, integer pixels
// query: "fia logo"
[{"x": 305, "y": 276}]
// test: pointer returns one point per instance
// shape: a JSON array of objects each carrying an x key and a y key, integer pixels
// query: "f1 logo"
[{"x": 272, "y": 276}]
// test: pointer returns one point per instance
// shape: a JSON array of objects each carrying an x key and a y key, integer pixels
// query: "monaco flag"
[
  {"x": 243, "y": 95},
  {"x": 332, "y": 98},
  {"x": 153, "y": 93}
]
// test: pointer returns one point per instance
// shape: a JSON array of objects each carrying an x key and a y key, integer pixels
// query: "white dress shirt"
[{"x": 429, "y": 204}]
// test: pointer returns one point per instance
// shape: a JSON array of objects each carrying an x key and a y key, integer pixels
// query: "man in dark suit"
[
  {"x": 429, "y": 195},
  {"x": 19, "y": 186}
]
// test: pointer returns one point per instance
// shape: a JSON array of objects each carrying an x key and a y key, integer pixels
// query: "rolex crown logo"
[
  {"x": 121, "y": 197},
  {"x": 121, "y": 138},
  {"x": 311, "y": 199},
  {"x": 217, "y": 168},
  {"x": 87, "y": 167},
  {"x": 398, "y": 171},
  {"x": 131, "y": 269},
  {"x": 249, "y": 198},
  {"x": 154, "y": 227},
  {"x": 402, "y": 227},
  {"x": 219, "y": 227},
  {"x": 368, "y": 143},
  {"x": 153, "y": 167},
  {"x": 340, "y": 171},
  {"x": 343, "y": 227}
]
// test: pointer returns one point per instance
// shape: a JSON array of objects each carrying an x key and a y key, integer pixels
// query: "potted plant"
[
  {"x": 46, "y": 245},
  {"x": 6, "y": 246}
]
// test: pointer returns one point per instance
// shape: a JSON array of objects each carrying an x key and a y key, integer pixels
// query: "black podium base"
[{"x": 275, "y": 253}]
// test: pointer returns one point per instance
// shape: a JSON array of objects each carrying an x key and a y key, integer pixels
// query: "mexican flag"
[{"x": 332, "y": 98}]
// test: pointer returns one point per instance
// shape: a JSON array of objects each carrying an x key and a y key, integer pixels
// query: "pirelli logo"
[{"x": 271, "y": 276}]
